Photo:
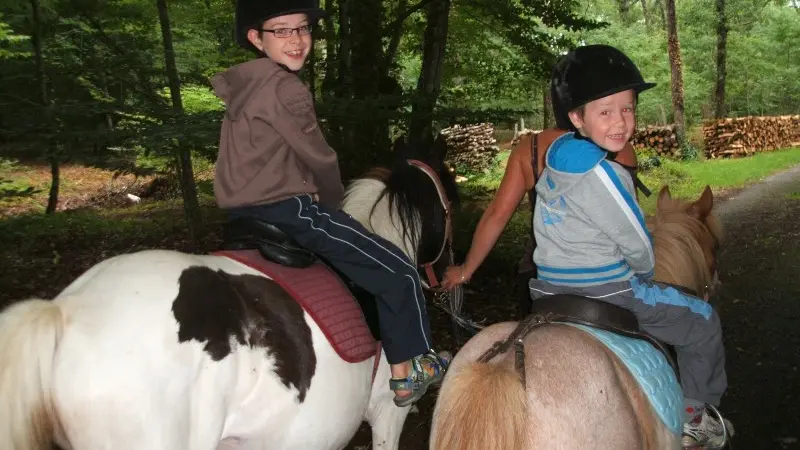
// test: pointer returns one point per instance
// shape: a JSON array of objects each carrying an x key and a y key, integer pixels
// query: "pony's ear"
[
  {"x": 439, "y": 150},
  {"x": 400, "y": 147},
  {"x": 663, "y": 196},
  {"x": 702, "y": 207}
]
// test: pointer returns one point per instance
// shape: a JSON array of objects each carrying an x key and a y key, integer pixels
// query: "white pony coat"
[{"x": 100, "y": 367}]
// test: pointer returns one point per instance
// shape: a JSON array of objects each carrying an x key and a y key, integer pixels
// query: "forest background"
[{"x": 124, "y": 84}]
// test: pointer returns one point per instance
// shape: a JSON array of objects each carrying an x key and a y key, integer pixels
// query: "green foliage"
[
  {"x": 9, "y": 42},
  {"x": 198, "y": 99},
  {"x": 763, "y": 60},
  {"x": 648, "y": 159},
  {"x": 104, "y": 66},
  {"x": 690, "y": 152}
]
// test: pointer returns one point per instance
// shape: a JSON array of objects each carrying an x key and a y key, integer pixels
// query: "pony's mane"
[
  {"x": 366, "y": 200},
  {"x": 682, "y": 245},
  {"x": 395, "y": 204},
  {"x": 362, "y": 198}
]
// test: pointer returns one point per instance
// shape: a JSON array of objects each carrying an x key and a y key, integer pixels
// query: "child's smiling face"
[
  {"x": 609, "y": 121},
  {"x": 291, "y": 50}
]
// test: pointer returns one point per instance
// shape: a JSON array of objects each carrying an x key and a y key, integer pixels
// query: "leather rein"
[{"x": 427, "y": 267}]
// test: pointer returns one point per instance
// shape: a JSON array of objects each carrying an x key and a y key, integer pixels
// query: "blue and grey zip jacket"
[{"x": 589, "y": 229}]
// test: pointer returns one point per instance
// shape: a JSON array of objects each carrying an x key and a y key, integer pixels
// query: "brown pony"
[{"x": 577, "y": 393}]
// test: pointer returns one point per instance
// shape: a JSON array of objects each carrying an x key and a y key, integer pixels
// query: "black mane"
[{"x": 414, "y": 195}]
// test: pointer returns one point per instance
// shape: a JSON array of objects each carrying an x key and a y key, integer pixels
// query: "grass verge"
[
  {"x": 688, "y": 179},
  {"x": 685, "y": 179}
]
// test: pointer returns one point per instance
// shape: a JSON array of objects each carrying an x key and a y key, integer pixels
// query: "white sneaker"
[{"x": 707, "y": 432}]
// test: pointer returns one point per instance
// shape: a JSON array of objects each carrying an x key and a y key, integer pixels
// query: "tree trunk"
[
  {"x": 394, "y": 41},
  {"x": 546, "y": 106},
  {"x": 52, "y": 154},
  {"x": 430, "y": 77},
  {"x": 329, "y": 82},
  {"x": 624, "y": 6},
  {"x": 722, "y": 44},
  {"x": 109, "y": 118},
  {"x": 188, "y": 187},
  {"x": 55, "y": 176},
  {"x": 345, "y": 54},
  {"x": 659, "y": 4},
  {"x": 369, "y": 120},
  {"x": 344, "y": 87},
  {"x": 644, "y": 14},
  {"x": 674, "y": 49}
]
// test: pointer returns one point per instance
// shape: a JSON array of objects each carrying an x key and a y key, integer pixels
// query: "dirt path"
[
  {"x": 759, "y": 305},
  {"x": 760, "y": 309}
]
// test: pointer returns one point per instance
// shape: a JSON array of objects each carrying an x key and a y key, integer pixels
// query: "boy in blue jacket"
[{"x": 591, "y": 235}]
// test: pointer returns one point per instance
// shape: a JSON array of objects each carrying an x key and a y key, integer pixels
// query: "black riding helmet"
[
  {"x": 250, "y": 14},
  {"x": 589, "y": 73}
]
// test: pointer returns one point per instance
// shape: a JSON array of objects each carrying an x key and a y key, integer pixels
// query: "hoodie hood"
[
  {"x": 237, "y": 86},
  {"x": 569, "y": 159}
]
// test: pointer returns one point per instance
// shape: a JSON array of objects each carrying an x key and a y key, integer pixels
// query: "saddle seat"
[
  {"x": 598, "y": 314},
  {"x": 346, "y": 313},
  {"x": 246, "y": 233},
  {"x": 344, "y": 316}
]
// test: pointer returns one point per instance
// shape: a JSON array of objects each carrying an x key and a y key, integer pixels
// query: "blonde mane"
[{"x": 685, "y": 237}]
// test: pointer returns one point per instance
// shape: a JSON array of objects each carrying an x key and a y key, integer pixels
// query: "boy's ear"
[
  {"x": 253, "y": 37},
  {"x": 576, "y": 117}
]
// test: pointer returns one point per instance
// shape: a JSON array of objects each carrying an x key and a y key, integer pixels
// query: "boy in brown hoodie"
[{"x": 275, "y": 165}]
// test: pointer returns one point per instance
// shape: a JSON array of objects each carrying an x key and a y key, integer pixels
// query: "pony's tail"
[
  {"x": 29, "y": 336},
  {"x": 473, "y": 399}
]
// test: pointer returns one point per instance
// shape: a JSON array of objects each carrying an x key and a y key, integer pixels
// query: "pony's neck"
[
  {"x": 360, "y": 202},
  {"x": 680, "y": 257}
]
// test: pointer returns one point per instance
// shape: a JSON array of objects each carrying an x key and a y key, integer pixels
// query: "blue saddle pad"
[{"x": 651, "y": 370}]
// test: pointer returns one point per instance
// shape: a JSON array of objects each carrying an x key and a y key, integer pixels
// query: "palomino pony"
[
  {"x": 166, "y": 350},
  {"x": 558, "y": 387}
]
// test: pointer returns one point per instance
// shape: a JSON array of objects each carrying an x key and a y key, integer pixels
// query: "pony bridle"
[{"x": 432, "y": 281}]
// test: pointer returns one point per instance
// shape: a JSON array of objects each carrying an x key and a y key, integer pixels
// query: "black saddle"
[
  {"x": 247, "y": 233},
  {"x": 598, "y": 314}
]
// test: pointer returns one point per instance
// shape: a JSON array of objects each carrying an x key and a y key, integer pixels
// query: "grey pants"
[{"x": 686, "y": 322}]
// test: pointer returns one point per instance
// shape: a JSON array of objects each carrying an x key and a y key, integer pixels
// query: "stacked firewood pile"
[
  {"x": 471, "y": 146},
  {"x": 744, "y": 136},
  {"x": 518, "y": 135},
  {"x": 662, "y": 139}
]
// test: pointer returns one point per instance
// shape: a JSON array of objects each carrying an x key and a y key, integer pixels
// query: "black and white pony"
[{"x": 166, "y": 350}]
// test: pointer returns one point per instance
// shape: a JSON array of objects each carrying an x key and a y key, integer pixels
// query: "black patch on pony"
[{"x": 214, "y": 307}]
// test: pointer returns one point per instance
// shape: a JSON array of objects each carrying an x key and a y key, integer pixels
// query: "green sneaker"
[{"x": 426, "y": 370}]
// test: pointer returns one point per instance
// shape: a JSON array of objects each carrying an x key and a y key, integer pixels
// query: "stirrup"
[{"x": 707, "y": 444}]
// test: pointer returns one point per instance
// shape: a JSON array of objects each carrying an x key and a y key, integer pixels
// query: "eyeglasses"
[{"x": 284, "y": 33}]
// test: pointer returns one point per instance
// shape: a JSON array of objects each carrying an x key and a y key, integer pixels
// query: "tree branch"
[{"x": 397, "y": 23}]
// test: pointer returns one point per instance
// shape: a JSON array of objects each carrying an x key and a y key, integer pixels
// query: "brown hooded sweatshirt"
[{"x": 271, "y": 147}]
